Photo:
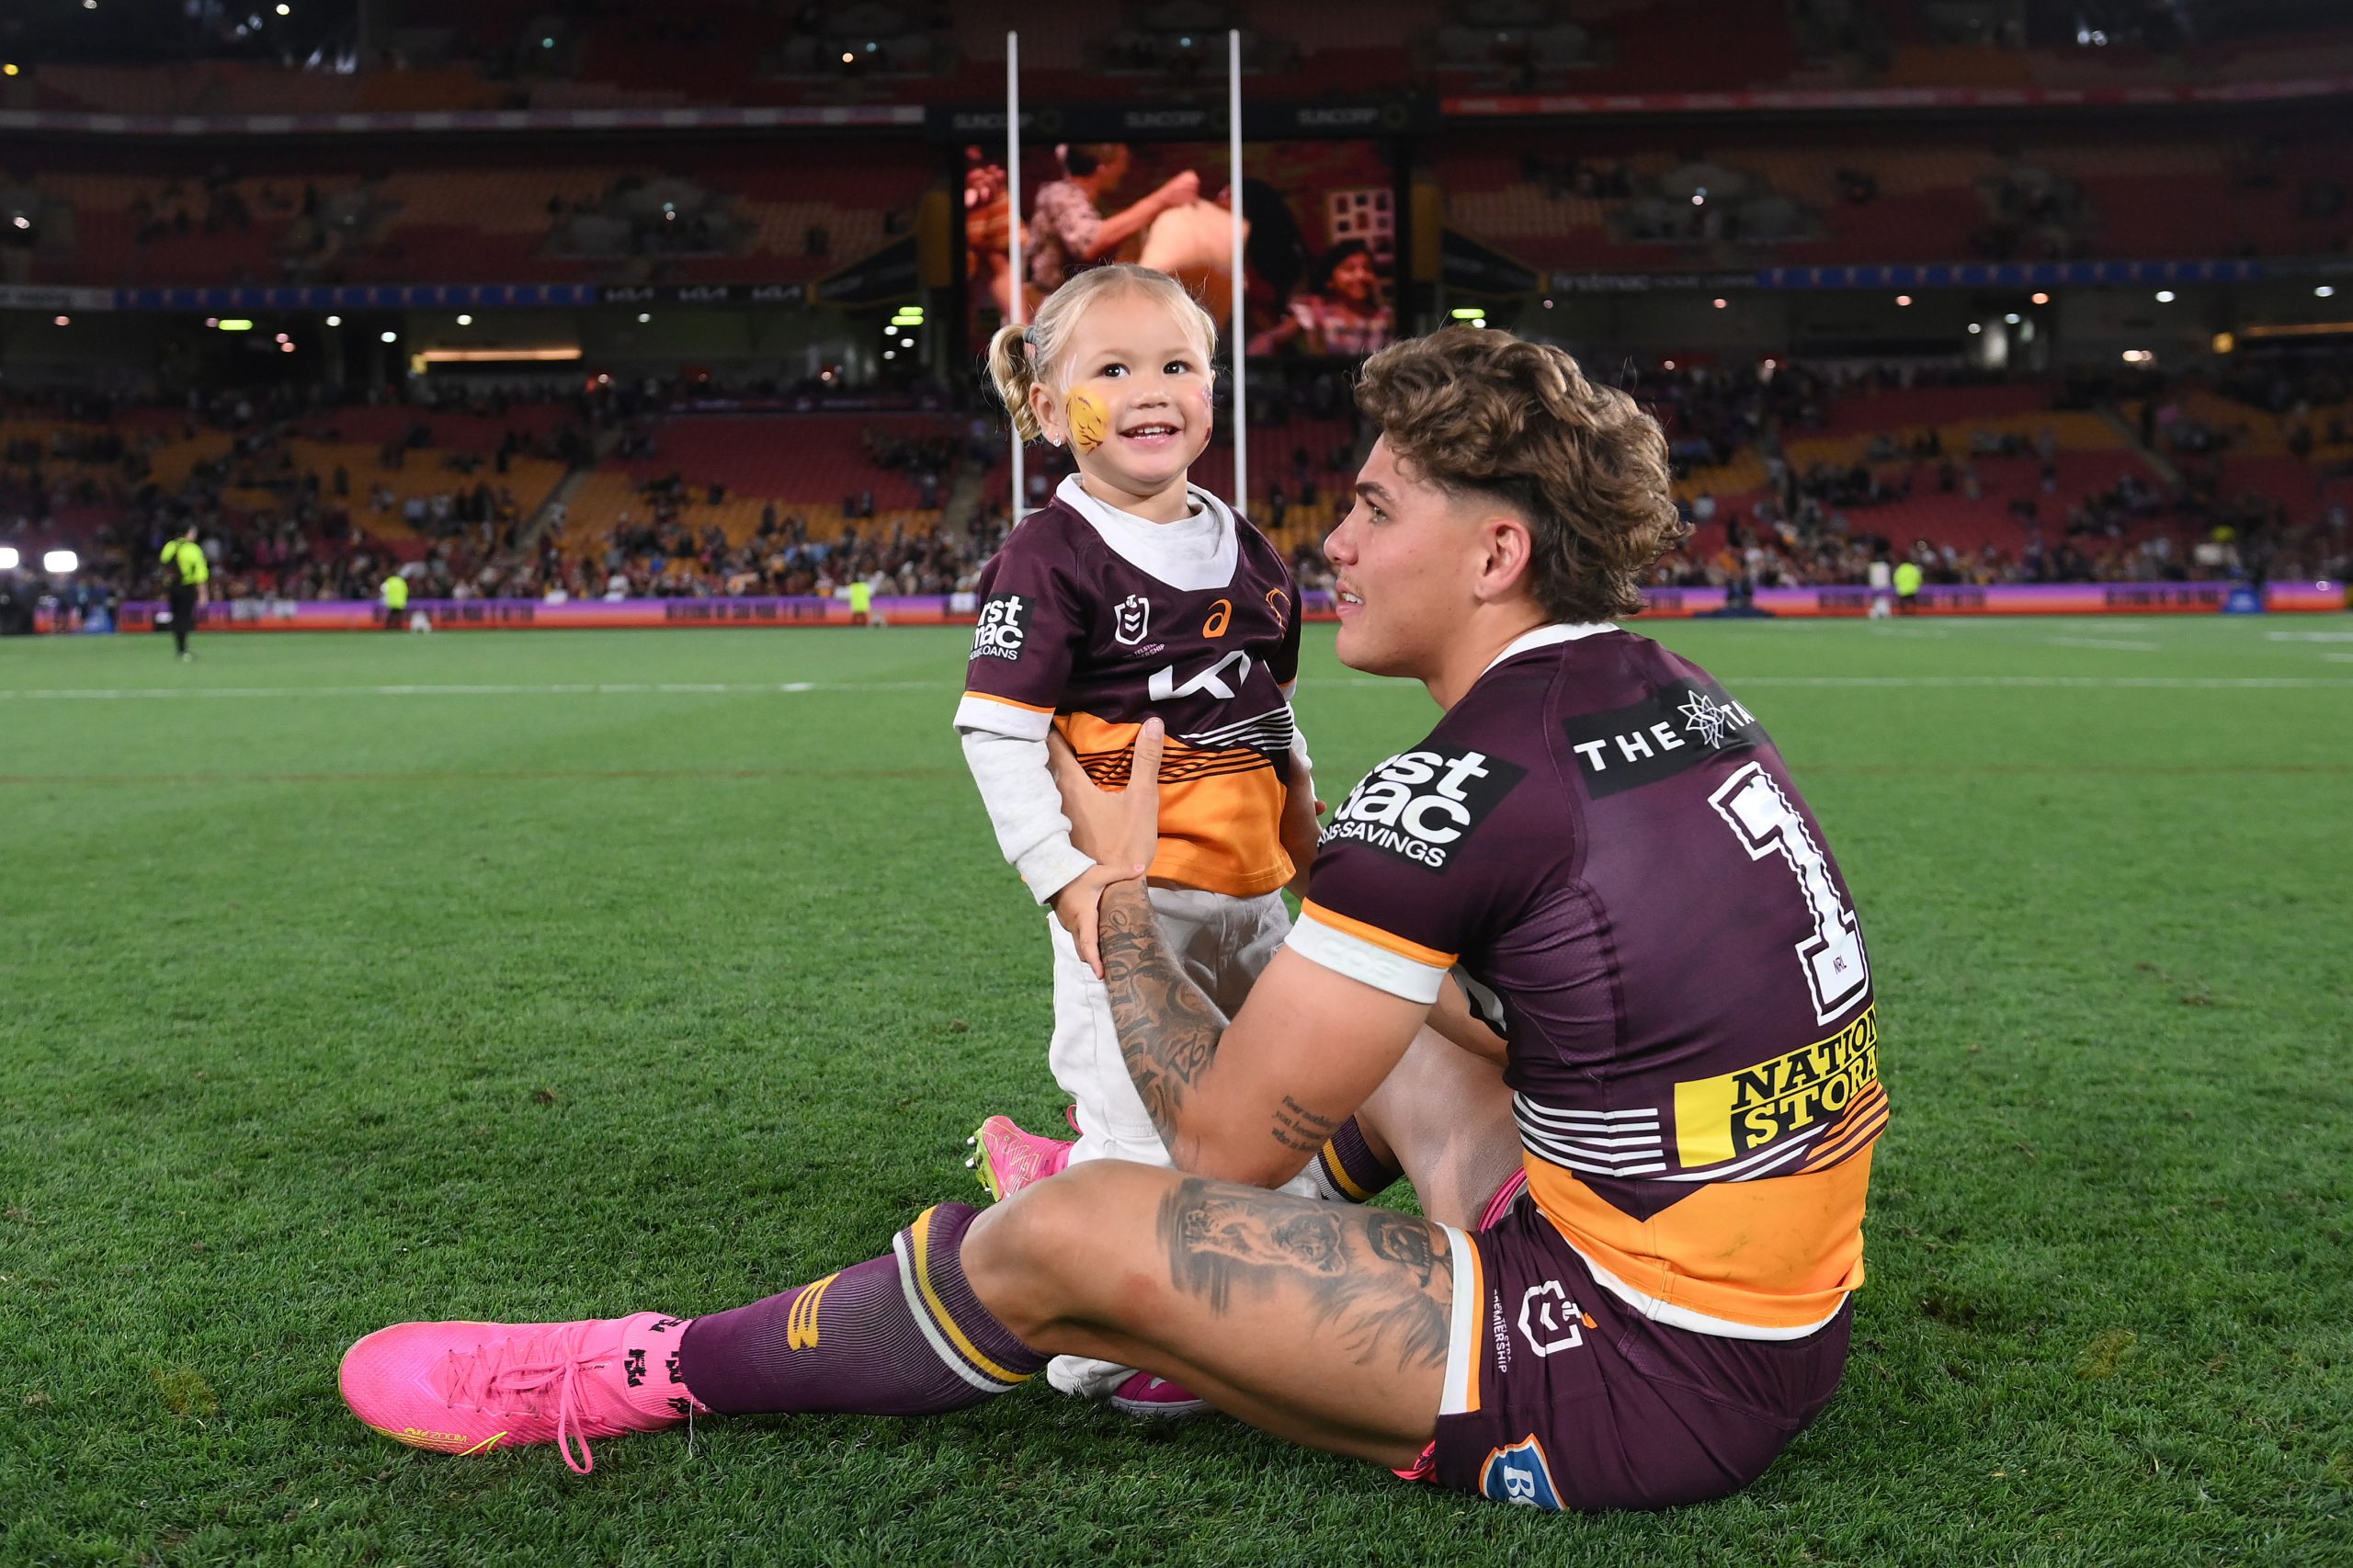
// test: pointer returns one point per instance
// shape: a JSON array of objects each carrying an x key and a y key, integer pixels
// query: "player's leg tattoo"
[{"x": 1383, "y": 1281}]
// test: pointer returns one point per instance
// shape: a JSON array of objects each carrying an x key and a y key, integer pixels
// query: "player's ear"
[{"x": 1508, "y": 551}]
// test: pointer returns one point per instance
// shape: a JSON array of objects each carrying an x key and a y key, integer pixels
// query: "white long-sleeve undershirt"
[{"x": 1016, "y": 784}]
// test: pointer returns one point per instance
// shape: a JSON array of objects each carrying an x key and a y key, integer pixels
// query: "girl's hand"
[{"x": 1079, "y": 907}]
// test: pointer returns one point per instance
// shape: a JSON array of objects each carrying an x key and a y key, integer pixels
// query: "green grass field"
[{"x": 348, "y": 979}]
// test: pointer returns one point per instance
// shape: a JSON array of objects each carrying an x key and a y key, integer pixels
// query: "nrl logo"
[{"x": 1130, "y": 617}]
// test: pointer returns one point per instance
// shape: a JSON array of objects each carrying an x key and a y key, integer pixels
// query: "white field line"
[
  {"x": 2309, "y": 636},
  {"x": 2125, "y": 644},
  {"x": 664, "y": 689}
]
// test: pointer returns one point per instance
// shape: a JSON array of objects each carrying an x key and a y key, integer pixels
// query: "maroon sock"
[
  {"x": 900, "y": 1335},
  {"x": 1349, "y": 1164}
]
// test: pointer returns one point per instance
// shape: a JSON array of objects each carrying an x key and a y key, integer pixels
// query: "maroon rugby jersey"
[
  {"x": 1092, "y": 620},
  {"x": 1609, "y": 848}
]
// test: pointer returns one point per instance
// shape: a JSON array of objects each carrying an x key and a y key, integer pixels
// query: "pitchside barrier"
[{"x": 958, "y": 609}]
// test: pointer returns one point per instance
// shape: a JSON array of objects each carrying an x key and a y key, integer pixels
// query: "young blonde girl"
[{"x": 1133, "y": 593}]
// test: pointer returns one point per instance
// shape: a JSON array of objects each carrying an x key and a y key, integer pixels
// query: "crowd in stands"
[{"x": 1790, "y": 475}]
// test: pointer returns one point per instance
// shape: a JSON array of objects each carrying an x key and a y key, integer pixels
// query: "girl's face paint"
[{"x": 1088, "y": 418}]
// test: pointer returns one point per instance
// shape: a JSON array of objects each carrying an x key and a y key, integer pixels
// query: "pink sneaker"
[
  {"x": 1008, "y": 1159},
  {"x": 1157, "y": 1399},
  {"x": 467, "y": 1388}
]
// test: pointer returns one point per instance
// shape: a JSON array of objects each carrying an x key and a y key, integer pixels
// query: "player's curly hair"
[
  {"x": 1476, "y": 412},
  {"x": 1024, "y": 356}
]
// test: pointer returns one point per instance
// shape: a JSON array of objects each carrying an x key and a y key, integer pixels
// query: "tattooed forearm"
[
  {"x": 1300, "y": 1128},
  {"x": 1383, "y": 1281},
  {"x": 1169, "y": 1030}
]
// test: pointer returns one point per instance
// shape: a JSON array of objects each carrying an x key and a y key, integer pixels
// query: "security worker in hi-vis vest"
[
  {"x": 188, "y": 576},
  {"x": 395, "y": 592}
]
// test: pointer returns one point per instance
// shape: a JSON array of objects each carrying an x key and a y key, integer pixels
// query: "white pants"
[{"x": 1223, "y": 943}]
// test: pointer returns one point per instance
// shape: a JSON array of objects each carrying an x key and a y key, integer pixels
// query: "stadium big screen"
[{"x": 1319, "y": 221}]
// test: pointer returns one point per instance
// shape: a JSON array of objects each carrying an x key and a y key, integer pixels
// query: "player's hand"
[
  {"x": 1301, "y": 829},
  {"x": 1079, "y": 907},
  {"x": 1119, "y": 829},
  {"x": 1182, "y": 191}
]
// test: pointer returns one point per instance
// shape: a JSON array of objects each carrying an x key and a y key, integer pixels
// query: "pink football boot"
[
  {"x": 1008, "y": 1159},
  {"x": 467, "y": 1388},
  {"x": 1148, "y": 1398}
]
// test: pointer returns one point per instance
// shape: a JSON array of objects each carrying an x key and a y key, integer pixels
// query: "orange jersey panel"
[
  {"x": 1221, "y": 809},
  {"x": 1780, "y": 1252}
]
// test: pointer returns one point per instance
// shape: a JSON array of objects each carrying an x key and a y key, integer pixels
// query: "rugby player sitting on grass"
[{"x": 1639, "y": 1116}]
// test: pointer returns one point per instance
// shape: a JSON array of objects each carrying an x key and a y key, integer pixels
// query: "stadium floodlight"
[
  {"x": 890, "y": 354},
  {"x": 334, "y": 321},
  {"x": 2012, "y": 318},
  {"x": 389, "y": 336},
  {"x": 2164, "y": 295},
  {"x": 284, "y": 10},
  {"x": 63, "y": 320},
  {"x": 1721, "y": 304},
  {"x": 8, "y": 558},
  {"x": 22, "y": 221},
  {"x": 2042, "y": 299},
  {"x": 1975, "y": 327},
  {"x": 2326, "y": 291},
  {"x": 643, "y": 317},
  {"x": 907, "y": 342},
  {"x": 286, "y": 348},
  {"x": 1903, "y": 298},
  {"x": 465, "y": 321},
  {"x": 233, "y": 324},
  {"x": 8, "y": 70},
  {"x": 61, "y": 563}
]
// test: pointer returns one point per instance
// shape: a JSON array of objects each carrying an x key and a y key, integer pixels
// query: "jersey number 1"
[{"x": 1835, "y": 971}]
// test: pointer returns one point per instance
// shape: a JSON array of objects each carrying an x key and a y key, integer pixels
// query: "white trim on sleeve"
[
  {"x": 974, "y": 712},
  {"x": 1345, "y": 953}
]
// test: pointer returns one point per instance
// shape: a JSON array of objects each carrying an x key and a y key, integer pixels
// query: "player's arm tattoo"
[
  {"x": 1169, "y": 1030},
  {"x": 1300, "y": 1129},
  {"x": 1383, "y": 1282}
]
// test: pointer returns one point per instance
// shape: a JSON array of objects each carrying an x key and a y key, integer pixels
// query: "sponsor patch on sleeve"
[
  {"x": 1003, "y": 627},
  {"x": 1421, "y": 806},
  {"x": 1674, "y": 728}
]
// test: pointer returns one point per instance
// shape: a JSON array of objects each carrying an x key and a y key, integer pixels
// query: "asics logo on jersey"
[
  {"x": 1130, "y": 618},
  {"x": 1419, "y": 805},
  {"x": 1003, "y": 626},
  {"x": 1212, "y": 681}
]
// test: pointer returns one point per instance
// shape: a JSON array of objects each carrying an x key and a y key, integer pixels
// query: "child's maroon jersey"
[
  {"x": 1609, "y": 848},
  {"x": 1092, "y": 620}
]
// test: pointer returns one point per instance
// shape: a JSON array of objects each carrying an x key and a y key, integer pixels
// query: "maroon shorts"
[{"x": 1568, "y": 1398}]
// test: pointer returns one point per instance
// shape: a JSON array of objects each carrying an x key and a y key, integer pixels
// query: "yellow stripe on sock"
[
  {"x": 1339, "y": 1173},
  {"x": 921, "y": 1231},
  {"x": 800, "y": 1323}
]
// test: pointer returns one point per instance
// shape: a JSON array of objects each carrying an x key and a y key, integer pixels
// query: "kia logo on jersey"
[{"x": 1420, "y": 805}]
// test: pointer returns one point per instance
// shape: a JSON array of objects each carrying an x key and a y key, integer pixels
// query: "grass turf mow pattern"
[{"x": 355, "y": 978}]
